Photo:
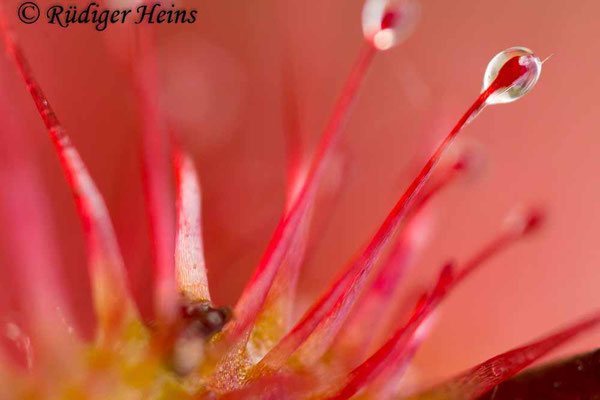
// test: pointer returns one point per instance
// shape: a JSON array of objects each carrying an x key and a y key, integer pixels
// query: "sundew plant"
[{"x": 350, "y": 343}]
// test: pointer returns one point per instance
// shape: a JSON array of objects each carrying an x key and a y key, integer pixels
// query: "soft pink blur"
[{"x": 223, "y": 86}]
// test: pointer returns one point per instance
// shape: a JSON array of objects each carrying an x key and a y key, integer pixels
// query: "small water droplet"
[
  {"x": 514, "y": 71},
  {"x": 388, "y": 22}
]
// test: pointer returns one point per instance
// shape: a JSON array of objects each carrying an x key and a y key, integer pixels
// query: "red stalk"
[
  {"x": 157, "y": 178},
  {"x": 288, "y": 232},
  {"x": 323, "y": 320},
  {"x": 190, "y": 267},
  {"x": 496, "y": 370},
  {"x": 393, "y": 355},
  {"x": 255, "y": 292},
  {"x": 112, "y": 301},
  {"x": 41, "y": 293},
  {"x": 375, "y": 308}
]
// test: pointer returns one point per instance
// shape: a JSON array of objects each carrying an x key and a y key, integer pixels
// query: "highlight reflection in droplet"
[{"x": 387, "y": 23}]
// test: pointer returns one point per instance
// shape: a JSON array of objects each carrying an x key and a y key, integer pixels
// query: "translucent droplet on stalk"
[
  {"x": 513, "y": 72},
  {"x": 387, "y": 23}
]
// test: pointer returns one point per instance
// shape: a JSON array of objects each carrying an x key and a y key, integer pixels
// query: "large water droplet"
[
  {"x": 514, "y": 71},
  {"x": 388, "y": 22}
]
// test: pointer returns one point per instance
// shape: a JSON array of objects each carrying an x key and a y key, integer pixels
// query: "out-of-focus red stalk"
[
  {"x": 255, "y": 292},
  {"x": 321, "y": 323},
  {"x": 287, "y": 233},
  {"x": 296, "y": 173},
  {"x": 113, "y": 303},
  {"x": 375, "y": 308},
  {"x": 33, "y": 248},
  {"x": 157, "y": 176},
  {"x": 393, "y": 355}
]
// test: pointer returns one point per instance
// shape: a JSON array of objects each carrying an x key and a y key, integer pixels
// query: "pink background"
[{"x": 223, "y": 85}]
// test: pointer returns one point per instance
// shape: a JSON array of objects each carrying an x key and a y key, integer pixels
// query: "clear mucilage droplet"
[
  {"x": 529, "y": 66},
  {"x": 386, "y": 23}
]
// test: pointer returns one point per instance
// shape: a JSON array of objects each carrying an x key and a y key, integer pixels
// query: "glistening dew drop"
[
  {"x": 519, "y": 62},
  {"x": 387, "y": 23}
]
